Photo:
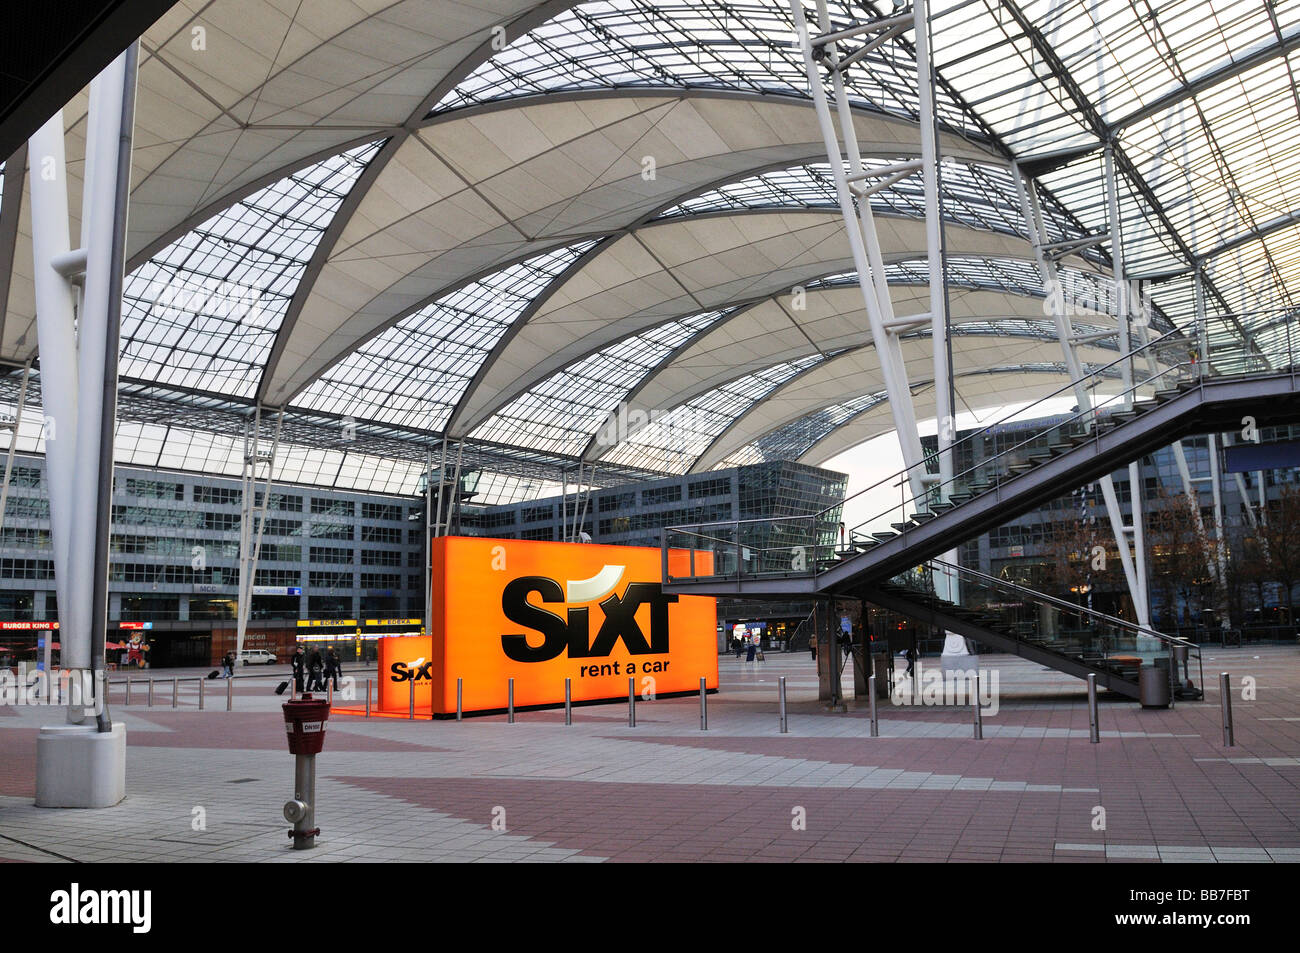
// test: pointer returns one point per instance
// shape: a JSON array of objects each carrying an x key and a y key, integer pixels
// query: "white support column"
[
  {"x": 1032, "y": 213},
  {"x": 1141, "y": 597},
  {"x": 863, "y": 243},
  {"x": 246, "y": 605},
  {"x": 442, "y": 469},
  {"x": 455, "y": 489},
  {"x": 77, "y": 764},
  {"x": 56, "y": 336},
  {"x": 243, "y": 603},
  {"x": 939, "y": 329},
  {"x": 564, "y": 505}
]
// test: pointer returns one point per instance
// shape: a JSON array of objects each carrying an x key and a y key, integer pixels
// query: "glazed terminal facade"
[{"x": 326, "y": 554}]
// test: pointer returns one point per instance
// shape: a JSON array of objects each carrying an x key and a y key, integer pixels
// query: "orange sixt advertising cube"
[{"x": 541, "y": 612}]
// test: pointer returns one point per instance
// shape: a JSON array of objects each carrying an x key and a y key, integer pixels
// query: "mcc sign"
[{"x": 540, "y": 612}]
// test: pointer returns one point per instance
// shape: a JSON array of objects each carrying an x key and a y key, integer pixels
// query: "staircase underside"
[{"x": 939, "y": 615}]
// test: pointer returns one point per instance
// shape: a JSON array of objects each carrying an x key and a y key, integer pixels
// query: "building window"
[
  {"x": 702, "y": 488},
  {"x": 330, "y": 580},
  {"x": 330, "y": 554},
  {"x": 277, "y": 577},
  {"x": 157, "y": 489},
  {"x": 25, "y": 476},
  {"x": 218, "y": 495},
  {"x": 331, "y": 530},
  {"x": 381, "y": 557},
  {"x": 661, "y": 494},
  {"x": 280, "y": 501},
  {"x": 381, "y": 534},
  {"x": 536, "y": 514},
  {"x": 333, "y": 507},
  {"x": 615, "y": 501},
  {"x": 26, "y": 569},
  {"x": 381, "y": 511}
]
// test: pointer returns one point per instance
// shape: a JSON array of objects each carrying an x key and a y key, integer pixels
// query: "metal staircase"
[{"x": 800, "y": 556}]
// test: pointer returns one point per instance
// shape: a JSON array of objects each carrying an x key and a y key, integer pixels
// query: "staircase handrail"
[{"x": 1037, "y": 596}]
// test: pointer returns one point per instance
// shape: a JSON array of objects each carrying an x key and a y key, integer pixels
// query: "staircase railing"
[
  {"x": 1104, "y": 642},
  {"x": 808, "y": 545}
]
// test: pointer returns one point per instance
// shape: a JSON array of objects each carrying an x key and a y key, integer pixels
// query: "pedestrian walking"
[
  {"x": 812, "y": 647},
  {"x": 333, "y": 667},
  {"x": 315, "y": 669},
  {"x": 299, "y": 663},
  {"x": 228, "y": 665}
]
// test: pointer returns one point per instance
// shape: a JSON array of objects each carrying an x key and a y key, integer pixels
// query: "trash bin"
[
  {"x": 882, "y": 668},
  {"x": 1153, "y": 685}
]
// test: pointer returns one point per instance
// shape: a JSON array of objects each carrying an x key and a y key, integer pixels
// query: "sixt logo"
[
  {"x": 417, "y": 671},
  {"x": 572, "y": 631}
]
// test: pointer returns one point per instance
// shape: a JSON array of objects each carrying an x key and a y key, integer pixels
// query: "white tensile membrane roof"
[{"x": 505, "y": 221}]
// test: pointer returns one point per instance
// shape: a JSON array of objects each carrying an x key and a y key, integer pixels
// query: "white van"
[{"x": 256, "y": 657}]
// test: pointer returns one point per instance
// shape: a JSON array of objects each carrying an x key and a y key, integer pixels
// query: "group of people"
[
  {"x": 312, "y": 670},
  {"x": 747, "y": 646}
]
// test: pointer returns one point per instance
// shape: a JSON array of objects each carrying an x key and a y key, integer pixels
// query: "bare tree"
[
  {"x": 1184, "y": 556},
  {"x": 1279, "y": 536}
]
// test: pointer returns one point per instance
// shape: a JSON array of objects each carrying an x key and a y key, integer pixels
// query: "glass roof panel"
[
  {"x": 563, "y": 413},
  {"x": 203, "y": 313},
  {"x": 744, "y": 45},
  {"x": 675, "y": 440},
  {"x": 414, "y": 373}
]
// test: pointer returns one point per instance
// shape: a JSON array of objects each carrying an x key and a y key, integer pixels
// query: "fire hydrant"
[{"x": 304, "y": 722}]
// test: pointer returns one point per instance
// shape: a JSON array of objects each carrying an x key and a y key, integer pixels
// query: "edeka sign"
[{"x": 541, "y": 612}]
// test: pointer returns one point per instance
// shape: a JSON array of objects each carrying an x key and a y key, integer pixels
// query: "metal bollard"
[
  {"x": 1225, "y": 705},
  {"x": 367, "y": 698},
  {"x": 631, "y": 702},
  {"x": 128, "y": 691},
  {"x": 149, "y": 697},
  {"x": 460, "y": 695},
  {"x": 329, "y": 694},
  {"x": 568, "y": 702},
  {"x": 510, "y": 701},
  {"x": 175, "y": 682},
  {"x": 230, "y": 693},
  {"x": 1094, "y": 728},
  {"x": 411, "y": 710},
  {"x": 979, "y": 715},
  {"x": 785, "y": 724},
  {"x": 704, "y": 706},
  {"x": 203, "y": 682},
  {"x": 875, "y": 721}
]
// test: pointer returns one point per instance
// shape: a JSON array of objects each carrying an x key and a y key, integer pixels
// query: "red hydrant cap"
[{"x": 304, "y": 722}]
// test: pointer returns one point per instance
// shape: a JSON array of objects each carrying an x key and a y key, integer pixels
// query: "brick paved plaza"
[{"x": 395, "y": 790}]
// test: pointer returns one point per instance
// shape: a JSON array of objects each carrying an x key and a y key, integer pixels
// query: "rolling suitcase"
[{"x": 279, "y": 689}]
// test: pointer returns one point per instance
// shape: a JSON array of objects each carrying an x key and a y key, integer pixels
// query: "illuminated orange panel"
[
  {"x": 539, "y": 612},
  {"x": 399, "y": 656}
]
